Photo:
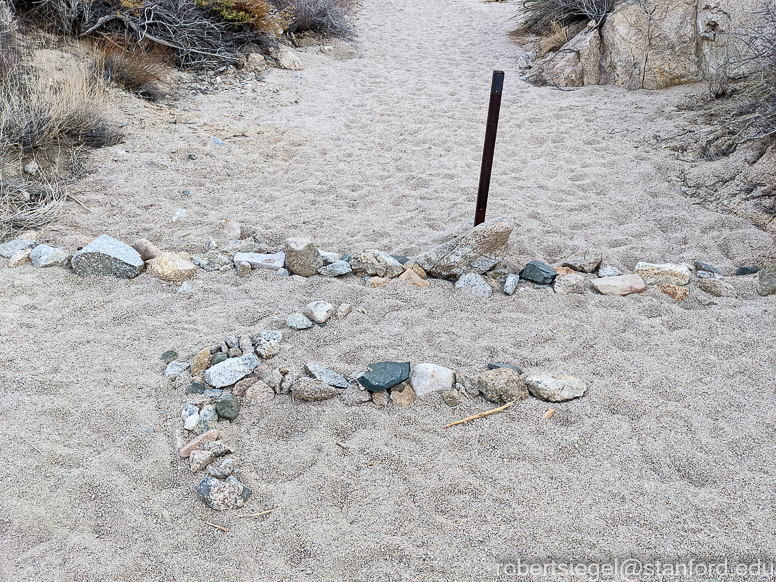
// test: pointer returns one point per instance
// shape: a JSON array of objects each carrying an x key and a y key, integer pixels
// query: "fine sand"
[{"x": 669, "y": 456}]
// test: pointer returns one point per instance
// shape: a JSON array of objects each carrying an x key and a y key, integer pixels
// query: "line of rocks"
[{"x": 472, "y": 260}]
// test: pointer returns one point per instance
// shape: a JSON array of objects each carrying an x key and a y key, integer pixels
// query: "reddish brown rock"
[
  {"x": 193, "y": 445},
  {"x": 675, "y": 291}
]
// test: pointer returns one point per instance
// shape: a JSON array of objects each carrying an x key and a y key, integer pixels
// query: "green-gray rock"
[
  {"x": 497, "y": 365},
  {"x": 169, "y": 356},
  {"x": 196, "y": 388},
  {"x": 218, "y": 358},
  {"x": 383, "y": 375},
  {"x": 208, "y": 420},
  {"x": 228, "y": 406},
  {"x": 539, "y": 273}
]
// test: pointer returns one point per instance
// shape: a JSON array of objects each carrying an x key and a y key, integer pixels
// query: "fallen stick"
[
  {"x": 222, "y": 528},
  {"x": 481, "y": 414},
  {"x": 258, "y": 514},
  {"x": 69, "y": 195},
  {"x": 33, "y": 446}
]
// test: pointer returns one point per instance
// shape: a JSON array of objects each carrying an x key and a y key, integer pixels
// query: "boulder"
[
  {"x": 575, "y": 65},
  {"x": 302, "y": 257},
  {"x": 477, "y": 251},
  {"x": 105, "y": 256}
]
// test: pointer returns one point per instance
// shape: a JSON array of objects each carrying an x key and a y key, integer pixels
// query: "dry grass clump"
[
  {"x": 556, "y": 38},
  {"x": 48, "y": 122},
  {"x": 8, "y": 30},
  {"x": 141, "y": 69},
  {"x": 542, "y": 15},
  {"x": 328, "y": 17}
]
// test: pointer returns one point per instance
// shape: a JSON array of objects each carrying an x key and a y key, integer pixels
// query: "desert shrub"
[
  {"x": 329, "y": 17},
  {"x": 9, "y": 53},
  {"x": 541, "y": 16},
  {"x": 757, "y": 118},
  {"x": 199, "y": 33},
  {"x": 28, "y": 205},
  {"x": 141, "y": 69},
  {"x": 35, "y": 113}
]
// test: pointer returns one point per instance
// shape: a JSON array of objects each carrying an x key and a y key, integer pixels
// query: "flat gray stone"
[
  {"x": 329, "y": 258},
  {"x": 272, "y": 336},
  {"x": 510, "y": 285},
  {"x": 261, "y": 261},
  {"x": 477, "y": 251},
  {"x": 383, "y": 375},
  {"x": 212, "y": 262},
  {"x": 497, "y": 365},
  {"x": 326, "y": 375},
  {"x": 231, "y": 370},
  {"x": 175, "y": 369},
  {"x": 10, "y": 248},
  {"x": 336, "y": 269},
  {"x": 299, "y": 321},
  {"x": 474, "y": 284},
  {"x": 555, "y": 387},
  {"x": 46, "y": 256},
  {"x": 105, "y": 256},
  {"x": 375, "y": 263},
  {"x": 701, "y": 266},
  {"x": 428, "y": 378},
  {"x": 609, "y": 271}
]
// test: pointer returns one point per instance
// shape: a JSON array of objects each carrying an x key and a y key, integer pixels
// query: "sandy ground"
[{"x": 669, "y": 456}]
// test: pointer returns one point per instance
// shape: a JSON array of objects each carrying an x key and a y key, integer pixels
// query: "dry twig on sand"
[
  {"x": 222, "y": 528},
  {"x": 258, "y": 514},
  {"x": 481, "y": 414}
]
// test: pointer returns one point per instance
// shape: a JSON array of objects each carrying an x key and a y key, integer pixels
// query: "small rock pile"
[{"x": 472, "y": 260}]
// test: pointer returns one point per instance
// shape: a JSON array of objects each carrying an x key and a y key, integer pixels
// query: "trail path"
[{"x": 669, "y": 456}]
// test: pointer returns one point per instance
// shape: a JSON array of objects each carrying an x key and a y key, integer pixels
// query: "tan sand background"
[{"x": 669, "y": 456}]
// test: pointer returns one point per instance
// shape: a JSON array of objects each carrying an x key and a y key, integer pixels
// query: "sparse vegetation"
[
  {"x": 541, "y": 16},
  {"x": 556, "y": 38},
  {"x": 757, "y": 119},
  {"x": 329, "y": 17},
  {"x": 44, "y": 124},
  {"x": 140, "y": 69}
]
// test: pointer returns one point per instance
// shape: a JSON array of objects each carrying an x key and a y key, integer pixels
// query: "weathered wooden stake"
[{"x": 490, "y": 145}]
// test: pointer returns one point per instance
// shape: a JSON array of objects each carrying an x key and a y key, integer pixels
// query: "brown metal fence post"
[{"x": 490, "y": 145}]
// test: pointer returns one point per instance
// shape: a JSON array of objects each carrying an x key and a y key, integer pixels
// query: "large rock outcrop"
[{"x": 652, "y": 44}]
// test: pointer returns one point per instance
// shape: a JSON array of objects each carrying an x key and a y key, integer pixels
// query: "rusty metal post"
[{"x": 490, "y": 145}]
